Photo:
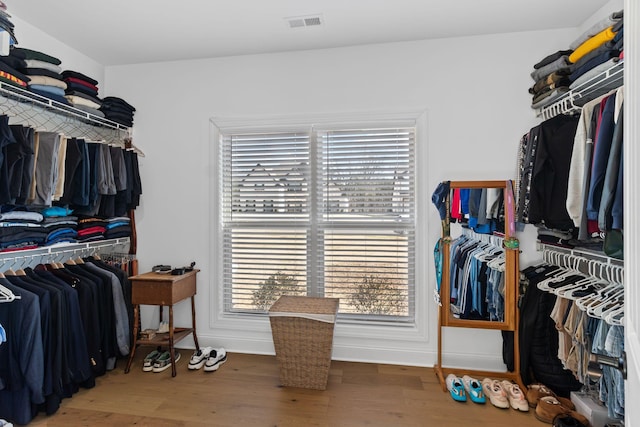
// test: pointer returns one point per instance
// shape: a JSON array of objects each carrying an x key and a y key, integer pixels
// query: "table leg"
[
  {"x": 132, "y": 352},
  {"x": 171, "y": 351},
  {"x": 193, "y": 322}
]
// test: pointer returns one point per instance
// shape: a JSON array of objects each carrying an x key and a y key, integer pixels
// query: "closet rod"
[
  {"x": 49, "y": 252},
  {"x": 579, "y": 252},
  {"x": 484, "y": 238}
]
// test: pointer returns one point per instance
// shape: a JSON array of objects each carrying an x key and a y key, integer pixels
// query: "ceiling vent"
[{"x": 304, "y": 21}]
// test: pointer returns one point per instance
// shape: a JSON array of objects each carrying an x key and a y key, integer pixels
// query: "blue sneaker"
[
  {"x": 456, "y": 388},
  {"x": 474, "y": 389}
]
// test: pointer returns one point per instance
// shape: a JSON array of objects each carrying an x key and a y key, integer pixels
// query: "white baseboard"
[{"x": 414, "y": 356}]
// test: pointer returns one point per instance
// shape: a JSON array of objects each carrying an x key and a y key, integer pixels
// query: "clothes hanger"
[
  {"x": 596, "y": 308},
  {"x": 594, "y": 298},
  {"x": 556, "y": 276},
  {"x": 78, "y": 259},
  {"x": 585, "y": 283},
  {"x": 7, "y": 295},
  {"x": 20, "y": 271},
  {"x": 9, "y": 271},
  {"x": 588, "y": 285},
  {"x": 607, "y": 306},
  {"x": 615, "y": 317}
]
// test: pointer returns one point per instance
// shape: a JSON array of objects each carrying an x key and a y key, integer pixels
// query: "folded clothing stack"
[
  {"x": 117, "y": 227},
  {"x": 599, "y": 48},
  {"x": 9, "y": 66},
  {"x": 44, "y": 73},
  {"x": 90, "y": 228},
  {"x": 118, "y": 110},
  {"x": 6, "y": 24},
  {"x": 9, "y": 71},
  {"x": 82, "y": 92}
]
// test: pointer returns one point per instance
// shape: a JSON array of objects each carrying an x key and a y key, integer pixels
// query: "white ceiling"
[{"x": 115, "y": 32}]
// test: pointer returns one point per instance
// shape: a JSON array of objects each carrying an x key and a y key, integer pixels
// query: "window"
[{"x": 320, "y": 211}]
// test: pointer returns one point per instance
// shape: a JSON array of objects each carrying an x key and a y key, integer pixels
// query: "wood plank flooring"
[{"x": 245, "y": 391}]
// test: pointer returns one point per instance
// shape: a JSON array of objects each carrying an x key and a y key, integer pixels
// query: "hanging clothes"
[
  {"x": 477, "y": 280},
  {"x": 69, "y": 326}
]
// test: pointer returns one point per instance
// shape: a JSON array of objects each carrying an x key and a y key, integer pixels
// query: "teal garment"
[
  {"x": 56, "y": 211},
  {"x": 437, "y": 256}
]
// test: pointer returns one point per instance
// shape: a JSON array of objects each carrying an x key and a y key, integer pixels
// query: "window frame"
[{"x": 414, "y": 118}]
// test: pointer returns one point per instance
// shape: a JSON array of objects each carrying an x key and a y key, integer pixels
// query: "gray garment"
[
  {"x": 611, "y": 178},
  {"x": 58, "y": 183},
  {"x": 558, "y": 64},
  {"x": 89, "y": 110},
  {"x": 605, "y": 22},
  {"x": 106, "y": 183},
  {"x": 549, "y": 99},
  {"x": 24, "y": 215},
  {"x": 46, "y": 172},
  {"x": 119, "y": 309},
  {"x": 119, "y": 168},
  {"x": 482, "y": 208},
  {"x": 493, "y": 196}
]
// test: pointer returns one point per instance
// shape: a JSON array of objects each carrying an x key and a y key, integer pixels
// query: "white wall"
[
  {"x": 474, "y": 92},
  {"x": 31, "y": 37}
]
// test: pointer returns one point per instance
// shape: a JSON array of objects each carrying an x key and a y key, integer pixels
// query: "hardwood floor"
[{"x": 245, "y": 391}]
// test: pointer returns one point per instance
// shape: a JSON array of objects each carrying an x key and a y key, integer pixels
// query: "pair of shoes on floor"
[
  {"x": 460, "y": 388},
  {"x": 209, "y": 357},
  {"x": 549, "y": 409},
  {"x": 504, "y": 394},
  {"x": 158, "y": 361},
  {"x": 537, "y": 391},
  {"x": 149, "y": 360}
]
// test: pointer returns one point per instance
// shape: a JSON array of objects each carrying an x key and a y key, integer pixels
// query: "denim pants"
[{"x": 612, "y": 394}]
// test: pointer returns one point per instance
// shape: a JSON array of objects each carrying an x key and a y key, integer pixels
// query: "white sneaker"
[
  {"x": 497, "y": 396},
  {"x": 163, "y": 328},
  {"x": 217, "y": 357},
  {"x": 199, "y": 357},
  {"x": 517, "y": 400}
]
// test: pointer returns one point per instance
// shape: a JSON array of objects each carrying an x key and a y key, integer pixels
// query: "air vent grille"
[{"x": 304, "y": 21}]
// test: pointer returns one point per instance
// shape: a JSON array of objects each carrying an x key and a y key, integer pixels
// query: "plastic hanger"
[
  {"x": 615, "y": 317},
  {"x": 556, "y": 277},
  {"x": 587, "y": 284},
  {"x": 596, "y": 308},
  {"x": 6, "y": 295}
]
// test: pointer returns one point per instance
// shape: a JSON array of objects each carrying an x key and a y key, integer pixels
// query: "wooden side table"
[{"x": 163, "y": 290}]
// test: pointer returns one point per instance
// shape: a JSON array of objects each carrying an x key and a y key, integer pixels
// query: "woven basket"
[{"x": 302, "y": 329}]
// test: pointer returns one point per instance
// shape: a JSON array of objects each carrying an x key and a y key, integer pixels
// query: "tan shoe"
[
  {"x": 496, "y": 394},
  {"x": 549, "y": 408},
  {"x": 537, "y": 391},
  {"x": 515, "y": 396}
]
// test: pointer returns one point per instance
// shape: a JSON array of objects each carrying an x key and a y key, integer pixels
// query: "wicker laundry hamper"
[{"x": 302, "y": 329}]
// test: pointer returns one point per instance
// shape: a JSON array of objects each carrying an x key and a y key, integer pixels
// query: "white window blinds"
[{"x": 321, "y": 213}]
